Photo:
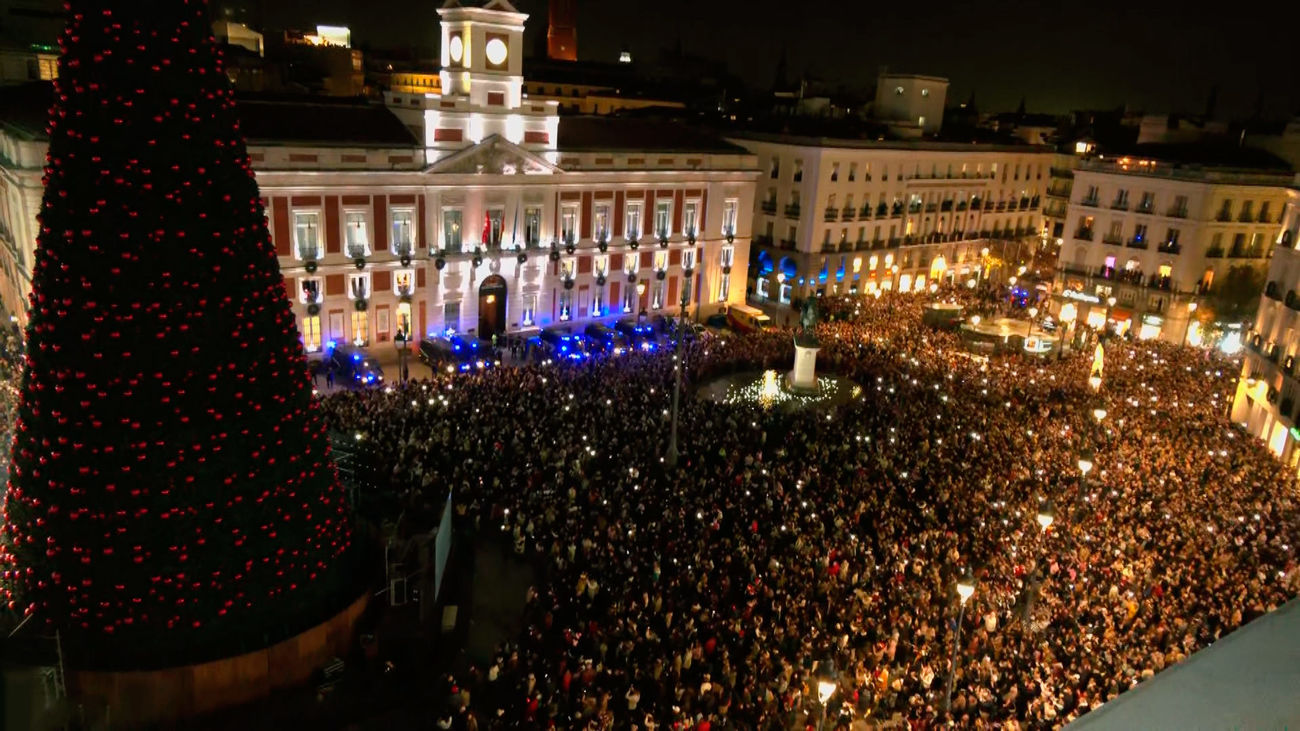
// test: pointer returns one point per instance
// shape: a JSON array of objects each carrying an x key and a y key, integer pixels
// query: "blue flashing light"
[{"x": 356, "y": 356}]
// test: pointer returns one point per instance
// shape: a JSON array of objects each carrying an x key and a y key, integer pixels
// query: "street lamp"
[
  {"x": 974, "y": 319},
  {"x": 826, "y": 686},
  {"x": 1187, "y": 329},
  {"x": 965, "y": 590},
  {"x": 670, "y": 457},
  {"x": 1033, "y": 312},
  {"x": 1099, "y": 414},
  {"x": 402, "y": 342},
  {"x": 1046, "y": 516},
  {"x": 1085, "y": 466}
]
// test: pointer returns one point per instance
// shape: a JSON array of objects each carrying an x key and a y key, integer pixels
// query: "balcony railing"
[
  {"x": 768, "y": 206},
  {"x": 832, "y": 214},
  {"x": 1137, "y": 244},
  {"x": 763, "y": 240},
  {"x": 1119, "y": 205},
  {"x": 1113, "y": 239},
  {"x": 1083, "y": 234},
  {"x": 1170, "y": 247},
  {"x": 308, "y": 253},
  {"x": 1090, "y": 202},
  {"x": 1214, "y": 253},
  {"x": 356, "y": 251},
  {"x": 865, "y": 212},
  {"x": 792, "y": 210},
  {"x": 1245, "y": 217},
  {"x": 848, "y": 213},
  {"x": 1144, "y": 208},
  {"x": 1177, "y": 212},
  {"x": 787, "y": 244},
  {"x": 1223, "y": 217}
]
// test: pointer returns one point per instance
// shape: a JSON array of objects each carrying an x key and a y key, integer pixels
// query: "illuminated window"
[
  {"x": 530, "y": 309},
  {"x": 729, "y": 210},
  {"x": 354, "y": 229},
  {"x": 403, "y": 282},
  {"x": 569, "y": 224},
  {"x": 359, "y": 286},
  {"x": 728, "y": 255},
  {"x": 360, "y": 328},
  {"x": 451, "y": 230},
  {"x": 566, "y": 305},
  {"x": 633, "y": 231},
  {"x": 403, "y": 231},
  {"x": 532, "y": 225},
  {"x": 688, "y": 259},
  {"x": 657, "y": 297},
  {"x": 309, "y": 292},
  {"x": 601, "y": 221},
  {"x": 691, "y": 216},
  {"x": 306, "y": 232},
  {"x": 495, "y": 226},
  {"x": 568, "y": 267},
  {"x": 724, "y": 287},
  {"x": 451, "y": 317},
  {"x": 663, "y": 220},
  {"x": 629, "y": 298},
  {"x": 404, "y": 319},
  {"x": 601, "y": 263},
  {"x": 661, "y": 261},
  {"x": 311, "y": 333}
]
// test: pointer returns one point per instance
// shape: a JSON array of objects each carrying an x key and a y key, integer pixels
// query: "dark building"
[{"x": 562, "y": 30}]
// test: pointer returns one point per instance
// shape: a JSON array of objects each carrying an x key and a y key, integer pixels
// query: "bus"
[{"x": 746, "y": 319}]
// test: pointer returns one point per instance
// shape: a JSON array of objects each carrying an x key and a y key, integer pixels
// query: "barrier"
[{"x": 149, "y": 697}]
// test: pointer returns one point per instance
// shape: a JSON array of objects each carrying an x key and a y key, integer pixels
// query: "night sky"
[{"x": 1155, "y": 55}]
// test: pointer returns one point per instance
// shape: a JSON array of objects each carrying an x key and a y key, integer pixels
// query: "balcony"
[
  {"x": 1170, "y": 247},
  {"x": 831, "y": 214},
  {"x": 865, "y": 213},
  {"x": 931, "y": 207},
  {"x": 787, "y": 244},
  {"x": 356, "y": 251},
  {"x": 975, "y": 203},
  {"x": 1113, "y": 239},
  {"x": 896, "y": 211},
  {"x": 792, "y": 210},
  {"x": 308, "y": 253},
  {"x": 946, "y": 205},
  {"x": 1245, "y": 217},
  {"x": 914, "y": 209},
  {"x": 1144, "y": 208},
  {"x": 829, "y": 248},
  {"x": 882, "y": 209},
  {"x": 1002, "y": 206},
  {"x": 1119, "y": 205},
  {"x": 1137, "y": 244},
  {"x": 848, "y": 213},
  {"x": 1245, "y": 253},
  {"x": 961, "y": 205},
  {"x": 1090, "y": 202},
  {"x": 763, "y": 240},
  {"x": 1214, "y": 253},
  {"x": 1177, "y": 212},
  {"x": 1083, "y": 234},
  {"x": 1223, "y": 217},
  {"x": 768, "y": 206},
  {"x": 1033, "y": 202}
]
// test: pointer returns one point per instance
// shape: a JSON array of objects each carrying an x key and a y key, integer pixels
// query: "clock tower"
[{"x": 482, "y": 82}]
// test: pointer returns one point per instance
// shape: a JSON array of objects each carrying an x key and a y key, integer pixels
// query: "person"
[{"x": 329, "y": 375}]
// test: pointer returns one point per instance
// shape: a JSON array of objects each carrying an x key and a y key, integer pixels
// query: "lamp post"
[
  {"x": 1187, "y": 328},
  {"x": 1085, "y": 466},
  {"x": 826, "y": 687},
  {"x": 965, "y": 590},
  {"x": 1110, "y": 305},
  {"x": 402, "y": 342},
  {"x": 1033, "y": 312},
  {"x": 670, "y": 456}
]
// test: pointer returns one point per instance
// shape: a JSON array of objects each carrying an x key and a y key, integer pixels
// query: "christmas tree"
[{"x": 171, "y": 487}]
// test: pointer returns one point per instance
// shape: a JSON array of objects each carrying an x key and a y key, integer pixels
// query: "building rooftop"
[
  {"x": 25, "y": 108},
  {"x": 942, "y": 144},
  {"x": 599, "y": 134},
  {"x": 1204, "y": 155},
  {"x": 320, "y": 121}
]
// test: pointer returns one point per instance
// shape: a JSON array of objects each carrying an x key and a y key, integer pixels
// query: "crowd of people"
[
  {"x": 788, "y": 549},
  {"x": 11, "y": 371}
]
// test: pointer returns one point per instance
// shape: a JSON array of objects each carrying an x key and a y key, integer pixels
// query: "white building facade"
[
  {"x": 851, "y": 216},
  {"x": 1269, "y": 389},
  {"x": 1146, "y": 240},
  {"x": 466, "y": 211}
]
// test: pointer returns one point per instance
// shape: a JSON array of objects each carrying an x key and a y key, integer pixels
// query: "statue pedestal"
[{"x": 803, "y": 379}]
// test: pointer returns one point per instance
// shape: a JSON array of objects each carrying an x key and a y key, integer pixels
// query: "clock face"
[
  {"x": 456, "y": 49},
  {"x": 496, "y": 51}
]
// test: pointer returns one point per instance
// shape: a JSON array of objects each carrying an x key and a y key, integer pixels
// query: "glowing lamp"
[
  {"x": 1099, "y": 414},
  {"x": 966, "y": 587},
  {"x": 1046, "y": 516},
  {"x": 825, "y": 689}
]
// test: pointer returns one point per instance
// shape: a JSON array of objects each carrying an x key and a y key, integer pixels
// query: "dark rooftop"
[
  {"x": 265, "y": 119},
  {"x": 1205, "y": 155},
  {"x": 584, "y": 133},
  {"x": 320, "y": 121}
]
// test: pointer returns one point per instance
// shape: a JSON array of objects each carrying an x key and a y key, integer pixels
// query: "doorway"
[{"x": 492, "y": 306}]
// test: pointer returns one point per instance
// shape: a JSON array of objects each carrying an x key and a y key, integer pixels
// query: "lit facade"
[
  {"x": 472, "y": 211},
  {"x": 1155, "y": 237},
  {"x": 1269, "y": 389},
  {"x": 849, "y": 216}
]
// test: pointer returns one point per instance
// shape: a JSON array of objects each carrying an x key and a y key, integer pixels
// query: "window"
[
  {"x": 597, "y": 306},
  {"x": 403, "y": 282},
  {"x": 1263, "y": 212},
  {"x": 690, "y": 218},
  {"x": 600, "y": 219},
  {"x": 451, "y": 317},
  {"x": 568, "y": 267},
  {"x": 359, "y": 286},
  {"x": 494, "y": 225},
  {"x": 853, "y": 171},
  {"x": 532, "y": 225},
  {"x": 403, "y": 331},
  {"x": 729, "y": 209},
  {"x": 601, "y": 264},
  {"x": 1140, "y": 232},
  {"x": 1116, "y": 230},
  {"x": 835, "y": 172},
  {"x": 775, "y": 169},
  {"x": 306, "y": 230},
  {"x": 688, "y": 259},
  {"x": 354, "y": 230},
  {"x": 1180, "y": 205},
  {"x": 1148, "y": 201},
  {"x": 311, "y": 333},
  {"x": 921, "y": 120},
  {"x": 657, "y": 296},
  {"x": 661, "y": 260},
  {"x": 309, "y": 291},
  {"x": 403, "y": 231},
  {"x": 566, "y": 305},
  {"x": 1226, "y": 211},
  {"x": 629, "y": 298},
  {"x": 724, "y": 287},
  {"x": 360, "y": 327},
  {"x": 762, "y": 288},
  {"x": 1171, "y": 237},
  {"x": 1245, "y": 214},
  {"x": 569, "y": 224},
  {"x": 798, "y": 171},
  {"x": 633, "y": 230},
  {"x": 530, "y": 310},
  {"x": 1121, "y": 199},
  {"x": 451, "y": 230},
  {"x": 728, "y": 255},
  {"x": 663, "y": 219}
]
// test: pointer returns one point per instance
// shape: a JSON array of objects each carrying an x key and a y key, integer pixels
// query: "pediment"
[{"x": 494, "y": 156}]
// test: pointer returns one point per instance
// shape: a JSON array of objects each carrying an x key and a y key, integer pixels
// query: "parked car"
[
  {"x": 457, "y": 352},
  {"x": 353, "y": 366},
  {"x": 563, "y": 346}
]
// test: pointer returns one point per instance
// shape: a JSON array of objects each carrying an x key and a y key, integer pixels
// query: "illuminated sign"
[{"x": 1081, "y": 296}]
